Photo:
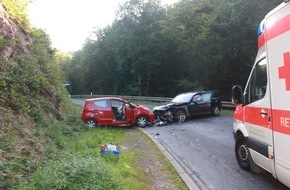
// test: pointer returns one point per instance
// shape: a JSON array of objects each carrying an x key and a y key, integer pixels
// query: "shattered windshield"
[{"x": 182, "y": 98}]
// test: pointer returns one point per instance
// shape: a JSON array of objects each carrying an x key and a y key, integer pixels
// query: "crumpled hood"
[{"x": 164, "y": 107}]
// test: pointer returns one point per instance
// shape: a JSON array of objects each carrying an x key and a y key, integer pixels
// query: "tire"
[
  {"x": 142, "y": 121},
  {"x": 215, "y": 111},
  {"x": 242, "y": 153},
  {"x": 180, "y": 116},
  {"x": 91, "y": 123}
]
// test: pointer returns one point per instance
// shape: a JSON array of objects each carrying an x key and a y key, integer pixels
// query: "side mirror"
[{"x": 237, "y": 94}]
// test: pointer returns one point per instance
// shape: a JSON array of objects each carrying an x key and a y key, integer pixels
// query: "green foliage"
[
  {"x": 7, "y": 141},
  {"x": 188, "y": 85},
  {"x": 2, "y": 41},
  {"x": 79, "y": 165},
  {"x": 153, "y": 50},
  {"x": 80, "y": 158},
  {"x": 73, "y": 172},
  {"x": 14, "y": 171},
  {"x": 19, "y": 9},
  {"x": 23, "y": 85},
  {"x": 55, "y": 133},
  {"x": 35, "y": 109},
  {"x": 227, "y": 112}
]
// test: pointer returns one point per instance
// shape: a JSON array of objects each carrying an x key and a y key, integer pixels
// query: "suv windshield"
[{"x": 182, "y": 98}]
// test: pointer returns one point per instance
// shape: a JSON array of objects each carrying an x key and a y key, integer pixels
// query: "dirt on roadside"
[{"x": 157, "y": 168}]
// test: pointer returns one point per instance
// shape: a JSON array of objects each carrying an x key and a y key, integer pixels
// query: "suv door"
[{"x": 200, "y": 103}]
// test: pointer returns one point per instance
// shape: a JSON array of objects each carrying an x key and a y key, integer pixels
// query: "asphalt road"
[
  {"x": 205, "y": 148},
  {"x": 205, "y": 145}
]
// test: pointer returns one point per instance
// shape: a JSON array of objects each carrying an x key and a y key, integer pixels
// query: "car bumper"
[{"x": 151, "y": 118}]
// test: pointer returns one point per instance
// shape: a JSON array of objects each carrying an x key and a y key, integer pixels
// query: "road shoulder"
[{"x": 192, "y": 182}]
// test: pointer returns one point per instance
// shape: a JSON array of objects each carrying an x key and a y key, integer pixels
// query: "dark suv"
[{"x": 188, "y": 104}]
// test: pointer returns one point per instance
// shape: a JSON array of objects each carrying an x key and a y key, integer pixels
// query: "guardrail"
[{"x": 225, "y": 104}]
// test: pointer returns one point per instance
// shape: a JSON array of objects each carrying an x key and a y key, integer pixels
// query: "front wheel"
[
  {"x": 91, "y": 123},
  {"x": 242, "y": 153},
  {"x": 215, "y": 110},
  {"x": 180, "y": 116},
  {"x": 142, "y": 121}
]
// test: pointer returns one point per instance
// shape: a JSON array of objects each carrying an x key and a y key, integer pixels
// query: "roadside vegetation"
[
  {"x": 228, "y": 112},
  {"x": 70, "y": 158},
  {"x": 157, "y": 51}
]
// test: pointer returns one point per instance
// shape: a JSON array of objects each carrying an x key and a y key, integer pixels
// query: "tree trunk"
[
  {"x": 139, "y": 85},
  {"x": 148, "y": 84},
  {"x": 116, "y": 87}
]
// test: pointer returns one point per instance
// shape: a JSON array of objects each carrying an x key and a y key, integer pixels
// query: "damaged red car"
[{"x": 114, "y": 111}]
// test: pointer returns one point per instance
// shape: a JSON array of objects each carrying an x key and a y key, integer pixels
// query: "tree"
[
  {"x": 161, "y": 51},
  {"x": 19, "y": 9}
]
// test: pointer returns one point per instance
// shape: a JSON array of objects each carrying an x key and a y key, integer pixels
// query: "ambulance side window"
[{"x": 257, "y": 86}]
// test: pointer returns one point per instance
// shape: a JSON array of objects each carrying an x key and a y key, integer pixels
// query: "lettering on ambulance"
[
  {"x": 285, "y": 122},
  {"x": 281, "y": 121},
  {"x": 284, "y": 71}
]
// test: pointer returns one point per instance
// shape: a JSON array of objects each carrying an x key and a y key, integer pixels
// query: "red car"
[{"x": 113, "y": 111}]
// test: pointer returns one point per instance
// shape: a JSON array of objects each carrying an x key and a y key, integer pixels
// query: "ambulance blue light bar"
[{"x": 261, "y": 28}]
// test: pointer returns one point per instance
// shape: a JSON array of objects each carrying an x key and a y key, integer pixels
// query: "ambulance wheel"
[{"x": 242, "y": 153}]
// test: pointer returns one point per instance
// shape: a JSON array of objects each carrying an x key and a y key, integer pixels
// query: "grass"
[
  {"x": 75, "y": 161},
  {"x": 71, "y": 159},
  {"x": 227, "y": 112}
]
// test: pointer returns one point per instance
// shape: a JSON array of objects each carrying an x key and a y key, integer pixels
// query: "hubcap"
[
  {"x": 91, "y": 124},
  {"x": 181, "y": 117},
  {"x": 142, "y": 122},
  {"x": 216, "y": 110},
  {"x": 244, "y": 153}
]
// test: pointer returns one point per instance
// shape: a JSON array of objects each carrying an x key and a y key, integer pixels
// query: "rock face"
[{"x": 13, "y": 38}]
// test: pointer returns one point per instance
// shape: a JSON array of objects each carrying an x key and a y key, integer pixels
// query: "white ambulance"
[{"x": 262, "y": 116}]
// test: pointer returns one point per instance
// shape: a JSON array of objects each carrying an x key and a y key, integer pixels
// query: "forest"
[{"x": 155, "y": 50}]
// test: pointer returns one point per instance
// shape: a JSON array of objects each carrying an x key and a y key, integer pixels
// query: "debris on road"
[{"x": 110, "y": 149}]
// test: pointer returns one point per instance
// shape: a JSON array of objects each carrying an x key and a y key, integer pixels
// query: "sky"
[{"x": 69, "y": 22}]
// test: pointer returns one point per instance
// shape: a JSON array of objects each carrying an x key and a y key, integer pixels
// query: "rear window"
[{"x": 101, "y": 103}]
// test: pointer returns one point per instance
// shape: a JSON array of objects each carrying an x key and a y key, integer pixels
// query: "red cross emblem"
[{"x": 284, "y": 71}]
